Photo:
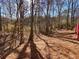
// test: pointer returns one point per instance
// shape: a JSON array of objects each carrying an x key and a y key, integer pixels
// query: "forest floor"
[{"x": 61, "y": 45}]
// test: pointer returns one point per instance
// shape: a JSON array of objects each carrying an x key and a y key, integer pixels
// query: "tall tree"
[
  {"x": 0, "y": 20},
  {"x": 48, "y": 16},
  {"x": 68, "y": 12},
  {"x": 21, "y": 11},
  {"x": 32, "y": 21},
  {"x": 59, "y": 4},
  {"x": 74, "y": 6}
]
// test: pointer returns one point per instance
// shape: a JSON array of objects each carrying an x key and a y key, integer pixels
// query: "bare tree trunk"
[
  {"x": 47, "y": 17},
  {"x": 74, "y": 6},
  {"x": 0, "y": 21},
  {"x": 21, "y": 9},
  {"x": 10, "y": 11},
  {"x": 32, "y": 21},
  {"x": 68, "y": 15},
  {"x": 72, "y": 17},
  {"x": 59, "y": 18},
  {"x": 59, "y": 4},
  {"x": 68, "y": 19}
]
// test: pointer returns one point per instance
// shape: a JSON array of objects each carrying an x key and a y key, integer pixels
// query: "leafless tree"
[
  {"x": 59, "y": 4},
  {"x": 32, "y": 21},
  {"x": 74, "y": 6},
  {"x": 68, "y": 12},
  {"x": 0, "y": 20}
]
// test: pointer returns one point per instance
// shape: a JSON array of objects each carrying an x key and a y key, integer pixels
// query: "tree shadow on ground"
[
  {"x": 64, "y": 37},
  {"x": 8, "y": 52},
  {"x": 34, "y": 53},
  {"x": 22, "y": 54},
  {"x": 56, "y": 47}
]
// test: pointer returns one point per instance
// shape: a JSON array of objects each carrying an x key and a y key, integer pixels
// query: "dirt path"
[{"x": 51, "y": 48}]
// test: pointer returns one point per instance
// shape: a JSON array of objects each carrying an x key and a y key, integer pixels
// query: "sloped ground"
[{"x": 56, "y": 47}]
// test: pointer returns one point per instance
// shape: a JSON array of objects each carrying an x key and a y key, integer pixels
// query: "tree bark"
[
  {"x": 32, "y": 21},
  {"x": 21, "y": 9},
  {"x": 0, "y": 20}
]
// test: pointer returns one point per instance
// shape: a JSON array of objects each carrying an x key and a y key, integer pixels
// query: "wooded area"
[{"x": 39, "y": 29}]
